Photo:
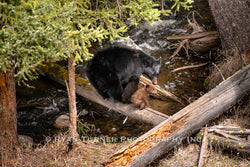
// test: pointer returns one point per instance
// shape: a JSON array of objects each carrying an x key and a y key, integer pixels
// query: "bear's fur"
[
  {"x": 110, "y": 69},
  {"x": 140, "y": 97},
  {"x": 130, "y": 89}
]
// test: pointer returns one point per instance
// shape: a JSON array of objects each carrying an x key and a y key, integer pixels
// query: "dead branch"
[
  {"x": 203, "y": 151},
  {"x": 232, "y": 138},
  {"x": 181, "y": 44},
  {"x": 230, "y": 130},
  {"x": 196, "y": 27},
  {"x": 188, "y": 67},
  {"x": 163, "y": 92},
  {"x": 219, "y": 71}
]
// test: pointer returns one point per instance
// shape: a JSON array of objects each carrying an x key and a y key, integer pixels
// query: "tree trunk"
[
  {"x": 232, "y": 20},
  {"x": 72, "y": 98},
  {"x": 184, "y": 123},
  {"x": 8, "y": 120}
]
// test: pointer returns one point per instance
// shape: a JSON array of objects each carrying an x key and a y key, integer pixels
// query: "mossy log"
[
  {"x": 184, "y": 123},
  {"x": 83, "y": 88}
]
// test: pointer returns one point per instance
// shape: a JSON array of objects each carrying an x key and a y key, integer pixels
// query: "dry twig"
[{"x": 188, "y": 67}]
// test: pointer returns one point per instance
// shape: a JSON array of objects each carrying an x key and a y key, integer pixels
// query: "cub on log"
[
  {"x": 140, "y": 97},
  {"x": 130, "y": 89}
]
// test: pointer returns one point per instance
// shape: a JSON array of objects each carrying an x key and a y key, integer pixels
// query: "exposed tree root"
[{"x": 198, "y": 41}]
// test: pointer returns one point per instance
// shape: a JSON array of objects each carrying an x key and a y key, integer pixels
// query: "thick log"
[
  {"x": 193, "y": 36},
  {"x": 198, "y": 42},
  {"x": 84, "y": 88},
  {"x": 204, "y": 44},
  {"x": 184, "y": 123}
]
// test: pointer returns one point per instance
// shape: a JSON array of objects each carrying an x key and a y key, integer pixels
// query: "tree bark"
[
  {"x": 184, "y": 123},
  {"x": 232, "y": 20},
  {"x": 8, "y": 120},
  {"x": 72, "y": 98}
]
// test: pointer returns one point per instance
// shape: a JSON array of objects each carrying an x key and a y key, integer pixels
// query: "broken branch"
[{"x": 188, "y": 67}]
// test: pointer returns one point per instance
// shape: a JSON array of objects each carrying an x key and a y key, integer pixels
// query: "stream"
[{"x": 38, "y": 107}]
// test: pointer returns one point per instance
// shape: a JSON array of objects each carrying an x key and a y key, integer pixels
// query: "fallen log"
[
  {"x": 193, "y": 36},
  {"x": 184, "y": 123},
  {"x": 204, "y": 44},
  {"x": 228, "y": 138},
  {"x": 84, "y": 88},
  {"x": 198, "y": 42}
]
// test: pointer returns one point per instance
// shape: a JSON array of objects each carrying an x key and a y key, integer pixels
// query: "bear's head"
[
  {"x": 152, "y": 68},
  {"x": 150, "y": 89}
]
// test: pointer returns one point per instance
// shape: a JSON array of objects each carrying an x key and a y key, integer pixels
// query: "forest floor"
[{"x": 92, "y": 153}]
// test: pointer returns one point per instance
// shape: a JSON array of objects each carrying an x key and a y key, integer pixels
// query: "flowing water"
[{"x": 38, "y": 107}]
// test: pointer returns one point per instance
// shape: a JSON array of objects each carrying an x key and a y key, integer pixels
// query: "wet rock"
[
  {"x": 113, "y": 130},
  {"x": 124, "y": 133},
  {"x": 83, "y": 113},
  {"x": 62, "y": 122},
  {"x": 25, "y": 141}
]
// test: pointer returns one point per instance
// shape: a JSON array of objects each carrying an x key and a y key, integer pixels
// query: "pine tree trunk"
[
  {"x": 232, "y": 20},
  {"x": 72, "y": 98},
  {"x": 8, "y": 120}
]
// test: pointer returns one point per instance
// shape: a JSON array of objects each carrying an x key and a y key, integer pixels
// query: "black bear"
[
  {"x": 130, "y": 89},
  {"x": 140, "y": 97},
  {"x": 110, "y": 69}
]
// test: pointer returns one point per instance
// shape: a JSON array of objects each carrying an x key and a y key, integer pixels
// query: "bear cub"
[
  {"x": 130, "y": 89},
  {"x": 140, "y": 97}
]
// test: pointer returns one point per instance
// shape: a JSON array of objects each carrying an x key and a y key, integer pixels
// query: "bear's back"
[{"x": 115, "y": 54}]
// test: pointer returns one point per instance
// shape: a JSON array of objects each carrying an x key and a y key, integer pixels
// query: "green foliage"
[
  {"x": 186, "y": 4},
  {"x": 142, "y": 9},
  {"x": 84, "y": 128},
  {"x": 34, "y": 32}
]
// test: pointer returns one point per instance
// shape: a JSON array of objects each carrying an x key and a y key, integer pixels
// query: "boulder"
[{"x": 62, "y": 121}]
